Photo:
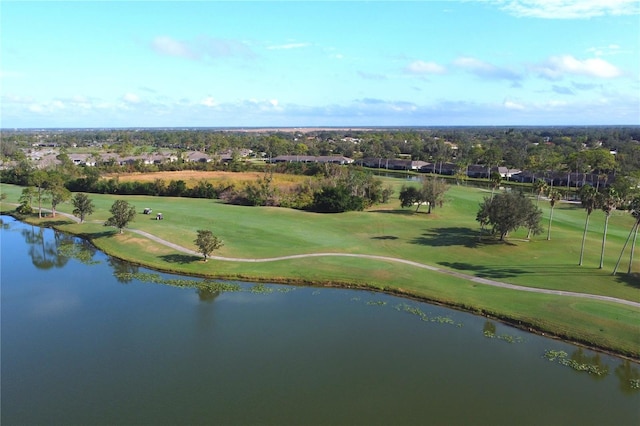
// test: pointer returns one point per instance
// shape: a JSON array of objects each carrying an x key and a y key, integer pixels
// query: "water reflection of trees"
[
  {"x": 629, "y": 377},
  {"x": 123, "y": 271},
  {"x": 207, "y": 295},
  {"x": 49, "y": 248},
  {"x": 489, "y": 328},
  {"x": 44, "y": 251},
  {"x": 595, "y": 360}
]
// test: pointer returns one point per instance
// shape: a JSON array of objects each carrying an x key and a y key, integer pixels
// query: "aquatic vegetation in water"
[
  {"x": 215, "y": 286},
  {"x": 261, "y": 289},
  {"x": 376, "y": 303},
  {"x": 505, "y": 337},
  {"x": 403, "y": 307},
  {"x": 489, "y": 331},
  {"x": 562, "y": 358}
]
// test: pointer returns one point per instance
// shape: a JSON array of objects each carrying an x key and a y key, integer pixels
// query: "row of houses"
[
  {"x": 150, "y": 159},
  {"x": 441, "y": 168},
  {"x": 472, "y": 171},
  {"x": 327, "y": 159}
]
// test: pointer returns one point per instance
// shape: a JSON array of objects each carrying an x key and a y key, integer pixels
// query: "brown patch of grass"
[{"x": 192, "y": 177}]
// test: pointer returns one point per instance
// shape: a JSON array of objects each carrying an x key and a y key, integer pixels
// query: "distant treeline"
[{"x": 513, "y": 147}]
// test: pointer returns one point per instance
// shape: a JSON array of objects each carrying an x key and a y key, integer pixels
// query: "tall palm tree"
[
  {"x": 539, "y": 187},
  {"x": 495, "y": 179},
  {"x": 634, "y": 207},
  {"x": 554, "y": 195},
  {"x": 589, "y": 200},
  {"x": 608, "y": 202}
]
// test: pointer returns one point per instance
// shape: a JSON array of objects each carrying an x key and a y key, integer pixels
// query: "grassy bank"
[{"x": 447, "y": 238}]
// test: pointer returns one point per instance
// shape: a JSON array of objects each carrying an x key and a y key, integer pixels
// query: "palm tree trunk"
[
  {"x": 633, "y": 246},
  {"x": 633, "y": 228},
  {"x": 550, "y": 220},
  {"x": 584, "y": 237},
  {"x": 604, "y": 240}
]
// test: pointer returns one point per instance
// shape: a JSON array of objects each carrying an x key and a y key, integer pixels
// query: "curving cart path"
[
  {"x": 394, "y": 259},
  {"x": 468, "y": 277}
]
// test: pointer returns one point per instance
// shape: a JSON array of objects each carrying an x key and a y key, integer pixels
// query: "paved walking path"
[
  {"x": 468, "y": 277},
  {"x": 393, "y": 259}
]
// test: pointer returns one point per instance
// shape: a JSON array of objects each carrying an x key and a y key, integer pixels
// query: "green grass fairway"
[{"x": 449, "y": 238}]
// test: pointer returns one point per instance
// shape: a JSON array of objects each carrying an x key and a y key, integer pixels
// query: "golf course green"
[{"x": 448, "y": 239}]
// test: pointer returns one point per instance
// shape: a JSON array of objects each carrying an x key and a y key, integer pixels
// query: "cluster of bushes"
[
  {"x": 159, "y": 187},
  {"x": 336, "y": 191},
  {"x": 331, "y": 189}
]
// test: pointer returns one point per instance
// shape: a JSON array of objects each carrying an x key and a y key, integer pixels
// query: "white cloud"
[
  {"x": 611, "y": 49},
  {"x": 421, "y": 67},
  {"x": 208, "y": 101},
  {"x": 513, "y": 105},
  {"x": 131, "y": 98},
  {"x": 288, "y": 46},
  {"x": 569, "y": 9},
  {"x": 15, "y": 99},
  {"x": 557, "y": 67},
  {"x": 168, "y": 46},
  {"x": 485, "y": 69},
  {"x": 200, "y": 48},
  {"x": 371, "y": 76}
]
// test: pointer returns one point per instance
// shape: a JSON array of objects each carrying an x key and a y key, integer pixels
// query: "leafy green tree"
[
  {"x": 532, "y": 222},
  {"x": 207, "y": 242},
  {"x": 262, "y": 192},
  {"x": 409, "y": 196},
  {"x": 336, "y": 200},
  {"x": 56, "y": 190},
  {"x": 506, "y": 212},
  {"x": 589, "y": 200},
  {"x": 433, "y": 191},
  {"x": 123, "y": 213},
  {"x": 82, "y": 206},
  {"x": 608, "y": 200},
  {"x": 59, "y": 194},
  {"x": 26, "y": 200},
  {"x": 554, "y": 196}
]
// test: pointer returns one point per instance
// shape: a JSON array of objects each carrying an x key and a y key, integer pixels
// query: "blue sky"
[{"x": 325, "y": 63}]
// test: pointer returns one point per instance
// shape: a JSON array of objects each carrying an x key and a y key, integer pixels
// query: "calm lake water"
[{"x": 90, "y": 340}]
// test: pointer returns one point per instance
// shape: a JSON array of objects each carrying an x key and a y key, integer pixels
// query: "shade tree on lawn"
[
  {"x": 123, "y": 213},
  {"x": 207, "y": 242},
  {"x": 82, "y": 206},
  {"x": 431, "y": 193},
  {"x": 507, "y": 212}
]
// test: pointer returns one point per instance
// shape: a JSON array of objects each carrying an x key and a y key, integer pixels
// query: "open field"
[
  {"x": 449, "y": 238},
  {"x": 217, "y": 178}
]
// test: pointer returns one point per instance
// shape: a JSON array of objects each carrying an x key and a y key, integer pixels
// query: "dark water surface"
[{"x": 81, "y": 345}]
